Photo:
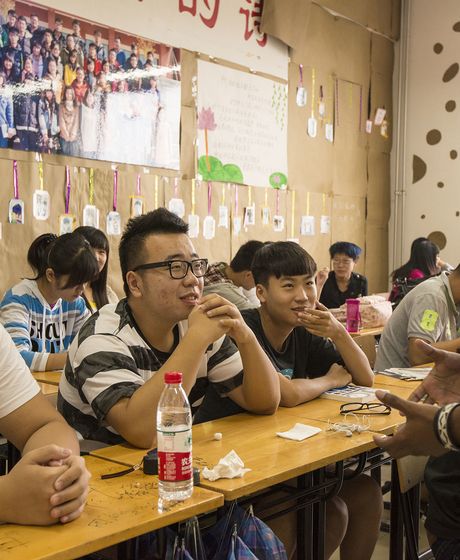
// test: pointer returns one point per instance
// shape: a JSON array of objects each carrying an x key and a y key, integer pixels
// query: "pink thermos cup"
[{"x": 353, "y": 317}]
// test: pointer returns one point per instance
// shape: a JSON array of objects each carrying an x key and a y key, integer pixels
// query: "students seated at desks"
[
  {"x": 115, "y": 371},
  {"x": 309, "y": 348},
  {"x": 342, "y": 283},
  {"x": 97, "y": 293},
  {"x": 228, "y": 280},
  {"x": 50, "y": 482},
  {"x": 428, "y": 312},
  {"x": 43, "y": 314},
  {"x": 430, "y": 430}
]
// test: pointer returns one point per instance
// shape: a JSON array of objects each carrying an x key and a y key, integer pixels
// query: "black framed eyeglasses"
[
  {"x": 364, "y": 408},
  {"x": 178, "y": 269}
]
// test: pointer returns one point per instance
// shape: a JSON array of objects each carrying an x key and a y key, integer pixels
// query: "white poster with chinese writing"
[
  {"x": 225, "y": 29},
  {"x": 241, "y": 128}
]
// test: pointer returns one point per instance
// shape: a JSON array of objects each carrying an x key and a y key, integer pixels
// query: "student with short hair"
[
  {"x": 114, "y": 375},
  {"x": 342, "y": 283},
  {"x": 43, "y": 314},
  {"x": 313, "y": 352},
  {"x": 228, "y": 280},
  {"x": 50, "y": 483}
]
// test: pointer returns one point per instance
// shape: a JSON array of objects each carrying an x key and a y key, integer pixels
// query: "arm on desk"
[{"x": 50, "y": 482}]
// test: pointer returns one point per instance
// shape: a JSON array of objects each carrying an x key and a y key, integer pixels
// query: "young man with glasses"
[
  {"x": 312, "y": 353},
  {"x": 342, "y": 283},
  {"x": 114, "y": 375}
]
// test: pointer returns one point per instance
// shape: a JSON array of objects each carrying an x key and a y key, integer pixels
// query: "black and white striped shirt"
[{"x": 110, "y": 359}]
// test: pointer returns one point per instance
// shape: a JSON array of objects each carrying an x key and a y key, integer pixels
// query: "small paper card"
[
  {"x": 177, "y": 206},
  {"x": 299, "y": 432},
  {"x": 236, "y": 225},
  {"x": 250, "y": 215},
  {"x": 369, "y": 124},
  {"x": 193, "y": 226},
  {"x": 293, "y": 239},
  {"x": 379, "y": 116},
  {"x": 66, "y": 223},
  {"x": 321, "y": 109},
  {"x": 137, "y": 206},
  {"x": 223, "y": 217},
  {"x": 91, "y": 216},
  {"x": 16, "y": 211},
  {"x": 325, "y": 226},
  {"x": 266, "y": 214},
  {"x": 278, "y": 223},
  {"x": 41, "y": 205},
  {"x": 113, "y": 223},
  {"x": 329, "y": 132},
  {"x": 384, "y": 129},
  {"x": 312, "y": 127},
  {"x": 209, "y": 227},
  {"x": 307, "y": 225},
  {"x": 301, "y": 97}
]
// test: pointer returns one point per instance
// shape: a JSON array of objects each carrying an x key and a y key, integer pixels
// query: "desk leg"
[
  {"x": 319, "y": 519},
  {"x": 304, "y": 521},
  {"x": 396, "y": 521}
]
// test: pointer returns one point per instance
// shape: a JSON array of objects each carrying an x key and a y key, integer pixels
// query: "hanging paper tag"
[
  {"x": 41, "y": 205},
  {"x": 321, "y": 109},
  {"x": 369, "y": 126},
  {"x": 193, "y": 226},
  {"x": 113, "y": 223},
  {"x": 223, "y": 217},
  {"x": 250, "y": 216},
  {"x": 209, "y": 227},
  {"x": 325, "y": 224},
  {"x": 307, "y": 225},
  {"x": 312, "y": 127},
  {"x": 16, "y": 211},
  {"x": 91, "y": 216},
  {"x": 236, "y": 225},
  {"x": 293, "y": 240},
  {"x": 66, "y": 223},
  {"x": 266, "y": 216},
  {"x": 278, "y": 223},
  {"x": 329, "y": 132},
  {"x": 384, "y": 128},
  {"x": 137, "y": 206},
  {"x": 1, "y": 230},
  {"x": 379, "y": 116},
  {"x": 301, "y": 95},
  {"x": 177, "y": 206}
]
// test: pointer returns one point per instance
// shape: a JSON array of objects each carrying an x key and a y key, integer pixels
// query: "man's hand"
[
  {"x": 321, "y": 278},
  {"x": 72, "y": 489},
  {"x": 442, "y": 384},
  {"x": 228, "y": 316},
  {"x": 321, "y": 322},
  {"x": 416, "y": 436},
  {"x": 28, "y": 488},
  {"x": 207, "y": 328},
  {"x": 338, "y": 376}
]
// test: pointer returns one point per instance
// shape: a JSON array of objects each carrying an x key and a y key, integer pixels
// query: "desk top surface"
[
  {"x": 51, "y": 377},
  {"x": 48, "y": 389},
  {"x": 117, "y": 509},
  {"x": 370, "y": 331}
]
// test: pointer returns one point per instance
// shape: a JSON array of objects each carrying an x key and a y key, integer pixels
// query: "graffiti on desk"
[
  {"x": 199, "y": 462},
  {"x": 9, "y": 543}
]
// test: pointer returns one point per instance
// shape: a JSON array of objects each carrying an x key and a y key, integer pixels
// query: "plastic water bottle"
[
  {"x": 353, "y": 315},
  {"x": 174, "y": 441}
]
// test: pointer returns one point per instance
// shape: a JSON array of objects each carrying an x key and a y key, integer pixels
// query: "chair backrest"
[{"x": 410, "y": 470}]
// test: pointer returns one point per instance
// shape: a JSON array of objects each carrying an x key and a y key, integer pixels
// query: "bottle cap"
[
  {"x": 173, "y": 377},
  {"x": 151, "y": 462}
]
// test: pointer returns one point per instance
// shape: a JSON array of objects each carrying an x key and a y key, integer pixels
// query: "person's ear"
[
  {"x": 50, "y": 275},
  {"x": 135, "y": 285},
  {"x": 261, "y": 293}
]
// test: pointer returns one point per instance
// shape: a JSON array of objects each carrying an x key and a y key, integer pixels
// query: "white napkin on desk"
[
  {"x": 230, "y": 466},
  {"x": 299, "y": 432}
]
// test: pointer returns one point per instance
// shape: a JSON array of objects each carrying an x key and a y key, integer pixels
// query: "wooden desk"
[
  {"x": 51, "y": 377},
  {"x": 118, "y": 509},
  {"x": 271, "y": 459},
  {"x": 48, "y": 389},
  {"x": 391, "y": 382},
  {"x": 374, "y": 331}
]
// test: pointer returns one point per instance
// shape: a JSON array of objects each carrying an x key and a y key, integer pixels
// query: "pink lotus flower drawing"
[{"x": 206, "y": 122}]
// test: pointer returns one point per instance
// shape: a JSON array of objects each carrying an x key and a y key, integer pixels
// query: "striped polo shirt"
[{"x": 110, "y": 359}]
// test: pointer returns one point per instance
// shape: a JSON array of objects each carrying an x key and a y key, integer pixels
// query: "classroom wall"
[
  {"x": 431, "y": 146},
  {"x": 350, "y": 46}
]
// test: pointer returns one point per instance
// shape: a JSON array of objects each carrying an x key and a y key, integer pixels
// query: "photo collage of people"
[{"x": 78, "y": 94}]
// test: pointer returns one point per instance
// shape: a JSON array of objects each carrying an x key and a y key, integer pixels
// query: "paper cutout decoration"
[
  {"x": 250, "y": 216},
  {"x": 307, "y": 225},
  {"x": 278, "y": 223},
  {"x": 266, "y": 215},
  {"x": 67, "y": 223},
  {"x": 379, "y": 116},
  {"x": 329, "y": 132},
  {"x": 301, "y": 94},
  {"x": 209, "y": 227},
  {"x": 223, "y": 217},
  {"x": 177, "y": 206},
  {"x": 236, "y": 225},
  {"x": 193, "y": 226},
  {"x": 91, "y": 216},
  {"x": 113, "y": 223},
  {"x": 41, "y": 205},
  {"x": 16, "y": 211},
  {"x": 369, "y": 124},
  {"x": 137, "y": 206},
  {"x": 325, "y": 224}
]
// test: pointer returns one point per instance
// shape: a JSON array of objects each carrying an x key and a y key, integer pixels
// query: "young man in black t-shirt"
[{"x": 313, "y": 352}]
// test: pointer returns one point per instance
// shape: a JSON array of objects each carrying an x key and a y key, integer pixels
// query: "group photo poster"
[{"x": 80, "y": 88}]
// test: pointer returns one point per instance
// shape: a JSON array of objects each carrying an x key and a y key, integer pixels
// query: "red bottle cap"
[{"x": 173, "y": 377}]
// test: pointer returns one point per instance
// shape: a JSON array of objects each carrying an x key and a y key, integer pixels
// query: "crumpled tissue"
[
  {"x": 230, "y": 466},
  {"x": 299, "y": 432}
]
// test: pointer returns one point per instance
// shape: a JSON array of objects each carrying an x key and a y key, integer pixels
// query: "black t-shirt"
[
  {"x": 332, "y": 297},
  {"x": 303, "y": 355}
]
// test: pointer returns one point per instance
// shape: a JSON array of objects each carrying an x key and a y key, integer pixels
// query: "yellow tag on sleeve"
[{"x": 429, "y": 320}]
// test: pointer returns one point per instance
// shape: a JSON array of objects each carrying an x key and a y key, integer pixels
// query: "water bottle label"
[{"x": 174, "y": 456}]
